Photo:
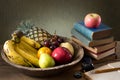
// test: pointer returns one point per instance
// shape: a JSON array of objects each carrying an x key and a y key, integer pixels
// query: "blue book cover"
[
  {"x": 93, "y": 33},
  {"x": 88, "y": 42},
  {"x": 80, "y": 37}
]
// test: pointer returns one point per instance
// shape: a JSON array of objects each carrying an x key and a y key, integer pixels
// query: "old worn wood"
[{"x": 7, "y": 72}]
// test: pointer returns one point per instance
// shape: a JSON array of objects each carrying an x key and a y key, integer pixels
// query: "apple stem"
[
  {"x": 91, "y": 15},
  {"x": 55, "y": 32}
]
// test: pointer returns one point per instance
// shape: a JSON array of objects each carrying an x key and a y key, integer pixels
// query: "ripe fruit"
[
  {"x": 92, "y": 20},
  {"x": 43, "y": 50},
  {"x": 47, "y": 43},
  {"x": 53, "y": 42},
  {"x": 68, "y": 46},
  {"x": 33, "y": 32},
  {"x": 46, "y": 61},
  {"x": 52, "y": 47},
  {"x": 62, "y": 55},
  {"x": 60, "y": 40}
]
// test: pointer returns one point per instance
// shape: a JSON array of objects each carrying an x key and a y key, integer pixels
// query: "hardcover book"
[
  {"x": 88, "y": 42},
  {"x": 108, "y": 58},
  {"x": 96, "y": 49},
  {"x": 102, "y": 54},
  {"x": 93, "y": 33}
]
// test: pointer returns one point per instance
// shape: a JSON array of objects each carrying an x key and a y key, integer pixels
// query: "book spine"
[
  {"x": 102, "y": 55},
  {"x": 108, "y": 58},
  {"x": 84, "y": 31},
  {"x": 102, "y": 41},
  {"x": 80, "y": 37}
]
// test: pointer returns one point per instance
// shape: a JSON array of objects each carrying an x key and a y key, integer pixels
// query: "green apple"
[
  {"x": 68, "y": 46},
  {"x": 46, "y": 61}
]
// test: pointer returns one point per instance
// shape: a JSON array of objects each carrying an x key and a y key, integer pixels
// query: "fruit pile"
[{"x": 43, "y": 52}]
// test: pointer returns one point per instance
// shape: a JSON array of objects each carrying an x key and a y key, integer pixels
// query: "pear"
[
  {"x": 46, "y": 61},
  {"x": 68, "y": 46}
]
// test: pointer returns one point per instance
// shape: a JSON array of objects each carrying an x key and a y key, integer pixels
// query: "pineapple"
[{"x": 33, "y": 32}]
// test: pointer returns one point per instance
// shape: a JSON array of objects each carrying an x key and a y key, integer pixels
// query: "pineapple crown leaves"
[{"x": 24, "y": 26}]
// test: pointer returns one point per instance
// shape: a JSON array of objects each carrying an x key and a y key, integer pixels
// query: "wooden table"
[{"x": 8, "y": 72}]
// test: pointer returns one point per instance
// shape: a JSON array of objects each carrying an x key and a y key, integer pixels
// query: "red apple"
[
  {"x": 62, "y": 55},
  {"x": 92, "y": 20}
]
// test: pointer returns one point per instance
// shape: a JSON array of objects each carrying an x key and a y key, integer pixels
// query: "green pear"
[
  {"x": 46, "y": 61},
  {"x": 68, "y": 46}
]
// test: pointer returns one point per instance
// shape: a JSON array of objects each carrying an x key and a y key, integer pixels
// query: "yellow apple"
[{"x": 68, "y": 46}]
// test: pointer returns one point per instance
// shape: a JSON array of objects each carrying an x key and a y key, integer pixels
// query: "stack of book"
[{"x": 97, "y": 42}]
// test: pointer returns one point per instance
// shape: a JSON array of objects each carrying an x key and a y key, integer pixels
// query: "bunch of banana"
[
  {"x": 28, "y": 53},
  {"x": 31, "y": 42},
  {"x": 13, "y": 56},
  {"x": 22, "y": 50},
  {"x": 17, "y": 36}
]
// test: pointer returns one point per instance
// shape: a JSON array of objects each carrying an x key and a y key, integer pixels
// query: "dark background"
[{"x": 59, "y": 15}]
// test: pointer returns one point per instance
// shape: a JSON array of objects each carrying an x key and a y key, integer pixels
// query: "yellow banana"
[
  {"x": 31, "y": 42},
  {"x": 28, "y": 48},
  {"x": 13, "y": 56},
  {"x": 32, "y": 59}
]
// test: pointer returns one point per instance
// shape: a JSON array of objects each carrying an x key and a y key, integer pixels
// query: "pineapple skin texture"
[{"x": 38, "y": 34}]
